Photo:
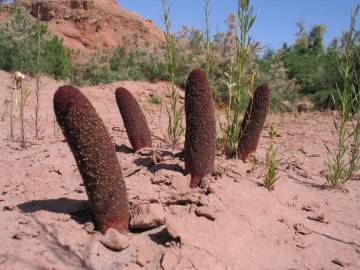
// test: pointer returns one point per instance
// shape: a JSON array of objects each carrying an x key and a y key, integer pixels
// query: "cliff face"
[{"x": 91, "y": 24}]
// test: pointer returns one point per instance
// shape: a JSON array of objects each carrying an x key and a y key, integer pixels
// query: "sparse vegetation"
[
  {"x": 271, "y": 165},
  {"x": 175, "y": 129},
  {"x": 155, "y": 99},
  {"x": 241, "y": 76},
  {"x": 19, "y": 50},
  {"x": 344, "y": 163}
]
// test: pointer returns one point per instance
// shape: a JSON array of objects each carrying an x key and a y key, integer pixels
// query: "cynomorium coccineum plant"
[
  {"x": 95, "y": 156},
  {"x": 134, "y": 120},
  {"x": 253, "y": 122},
  {"x": 200, "y": 128}
]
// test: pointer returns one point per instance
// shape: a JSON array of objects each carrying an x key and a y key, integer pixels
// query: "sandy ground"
[{"x": 233, "y": 224}]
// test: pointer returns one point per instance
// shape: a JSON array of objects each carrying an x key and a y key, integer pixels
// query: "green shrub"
[
  {"x": 19, "y": 39},
  {"x": 157, "y": 100}
]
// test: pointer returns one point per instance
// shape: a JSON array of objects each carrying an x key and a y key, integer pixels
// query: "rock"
[
  {"x": 144, "y": 255},
  {"x": 301, "y": 229},
  {"x": 319, "y": 218},
  {"x": 206, "y": 211},
  {"x": 160, "y": 180},
  {"x": 89, "y": 227},
  {"x": 79, "y": 190},
  {"x": 308, "y": 208},
  {"x": 114, "y": 240},
  {"x": 169, "y": 260},
  {"x": 25, "y": 232},
  {"x": 43, "y": 10},
  {"x": 63, "y": 217},
  {"x": 340, "y": 262},
  {"x": 146, "y": 216},
  {"x": 8, "y": 208}
]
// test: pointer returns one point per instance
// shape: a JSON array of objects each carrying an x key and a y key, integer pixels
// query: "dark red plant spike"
[
  {"x": 95, "y": 156},
  {"x": 199, "y": 153},
  {"x": 134, "y": 120},
  {"x": 253, "y": 122}
]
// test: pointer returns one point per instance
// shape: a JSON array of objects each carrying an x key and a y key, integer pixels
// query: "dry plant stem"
[
  {"x": 11, "y": 114},
  {"x": 37, "y": 128},
  {"x": 175, "y": 128},
  {"x": 22, "y": 120},
  {"x": 207, "y": 40}
]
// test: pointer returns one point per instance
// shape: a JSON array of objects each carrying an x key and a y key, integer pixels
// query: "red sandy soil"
[{"x": 45, "y": 220}]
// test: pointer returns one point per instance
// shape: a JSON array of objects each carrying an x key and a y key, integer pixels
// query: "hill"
[{"x": 87, "y": 25}]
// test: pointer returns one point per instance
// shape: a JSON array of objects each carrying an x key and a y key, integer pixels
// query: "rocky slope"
[{"x": 90, "y": 24}]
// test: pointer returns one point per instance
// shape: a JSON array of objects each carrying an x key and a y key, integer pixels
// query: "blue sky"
[{"x": 276, "y": 19}]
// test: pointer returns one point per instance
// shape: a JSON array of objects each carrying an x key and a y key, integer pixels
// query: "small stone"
[
  {"x": 79, "y": 190},
  {"x": 339, "y": 262},
  {"x": 169, "y": 260},
  {"x": 146, "y": 216},
  {"x": 319, "y": 218},
  {"x": 206, "y": 211},
  {"x": 17, "y": 236},
  {"x": 24, "y": 221},
  {"x": 63, "y": 217},
  {"x": 8, "y": 208},
  {"x": 89, "y": 227},
  {"x": 158, "y": 181},
  {"x": 301, "y": 229},
  {"x": 307, "y": 208},
  {"x": 26, "y": 233},
  {"x": 114, "y": 240}
]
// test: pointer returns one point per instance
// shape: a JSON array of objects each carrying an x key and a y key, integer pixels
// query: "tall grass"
[
  {"x": 240, "y": 77},
  {"x": 175, "y": 128},
  {"x": 341, "y": 166}
]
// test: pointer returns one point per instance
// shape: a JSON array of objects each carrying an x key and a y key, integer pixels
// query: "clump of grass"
[
  {"x": 240, "y": 77},
  {"x": 341, "y": 165},
  {"x": 271, "y": 161},
  {"x": 157, "y": 100},
  {"x": 253, "y": 161},
  {"x": 175, "y": 128}
]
